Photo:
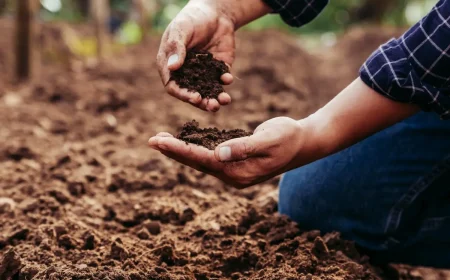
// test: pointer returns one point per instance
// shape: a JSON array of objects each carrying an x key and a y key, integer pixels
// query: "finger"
[
  {"x": 164, "y": 134},
  {"x": 172, "y": 50},
  {"x": 241, "y": 149},
  {"x": 187, "y": 162},
  {"x": 153, "y": 141},
  {"x": 224, "y": 98},
  {"x": 176, "y": 46},
  {"x": 213, "y": 105},
  {"x": 227, "y": 78},
  {"x": 161, "y": 60},
  {"x": 192, "y": 155},
  {"x": 203, "y": 104},
  {"x": 183, "y": 94}
]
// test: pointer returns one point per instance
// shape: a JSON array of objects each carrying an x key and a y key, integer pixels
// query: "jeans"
[{"x": 389, "y": 193}]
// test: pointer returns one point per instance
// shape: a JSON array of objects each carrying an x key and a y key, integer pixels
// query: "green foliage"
[
  {"x": 69, "y": 12},
  {"x": 336, "y": 17}
]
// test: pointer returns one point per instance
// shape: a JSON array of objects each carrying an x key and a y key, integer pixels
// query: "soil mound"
[
  {"x": 208, "y": 137},
  {"x": 201, "y": 73}
]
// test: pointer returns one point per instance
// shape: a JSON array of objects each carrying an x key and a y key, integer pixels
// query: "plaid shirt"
[{"x": 414, "y": 68}]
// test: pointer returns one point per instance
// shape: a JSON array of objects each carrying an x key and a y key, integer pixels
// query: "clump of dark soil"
[
  {"x": 201, "y": 73},
  {"x": 208, "y": 137}
]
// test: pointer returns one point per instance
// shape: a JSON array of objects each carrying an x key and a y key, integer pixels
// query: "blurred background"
[
  {"x": 91, "y": 28},
  {"x": 339, "y": 16}
]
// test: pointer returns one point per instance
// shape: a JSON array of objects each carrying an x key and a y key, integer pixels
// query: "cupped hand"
[
  {"x": 200, "y": 25},
  {"x": 242, "y": 162}
]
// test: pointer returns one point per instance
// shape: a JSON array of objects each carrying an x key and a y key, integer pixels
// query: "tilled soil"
[
  {"x": 209, "y": 138},
  {"x": 83, "y": 197}
]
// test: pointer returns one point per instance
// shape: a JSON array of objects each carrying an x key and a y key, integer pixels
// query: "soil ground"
[{"x": 83, "y": 197}]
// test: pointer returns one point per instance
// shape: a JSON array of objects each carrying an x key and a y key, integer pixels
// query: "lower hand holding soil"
[
  {"x": 274, "y": 148},
  {"x": 200, "y": 81}
]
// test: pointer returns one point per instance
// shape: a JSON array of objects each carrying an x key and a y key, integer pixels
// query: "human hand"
[
  {"x": 200, "y": 25},
  {"x": 241, "y": 162},
  {"x": 205, "y": 25}
]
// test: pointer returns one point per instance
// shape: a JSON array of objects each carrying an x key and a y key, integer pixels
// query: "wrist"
[
  {"x": 241, "y": 12},
  {"x": 317, "y": 138}
]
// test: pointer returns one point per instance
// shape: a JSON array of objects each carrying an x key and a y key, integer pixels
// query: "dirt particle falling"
[
  {"x": 201, "y": 73},
  {"x": 209, "y": 138}
]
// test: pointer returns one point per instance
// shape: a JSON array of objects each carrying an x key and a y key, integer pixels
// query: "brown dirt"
[
  {"x": 208, "y": 137},
  {"x": 201, "y": 73},
  {"x": 83, "y": 197}
]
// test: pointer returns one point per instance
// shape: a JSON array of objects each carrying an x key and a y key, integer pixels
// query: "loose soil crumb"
[
  {"x": 208, "y": 137},
  {"x": 201, "y": 73}
]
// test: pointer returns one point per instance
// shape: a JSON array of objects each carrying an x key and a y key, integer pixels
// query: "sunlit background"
[
  {"x": 338, "y": 16},
  {"x": 335, "y": 19}
]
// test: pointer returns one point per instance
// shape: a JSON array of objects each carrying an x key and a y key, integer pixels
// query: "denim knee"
[
  {"x": 300, "y": 198},
  {"x": 325, "y": 196}
]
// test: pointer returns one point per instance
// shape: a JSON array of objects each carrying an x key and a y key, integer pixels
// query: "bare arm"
[
  {"x": 243, "y": 12},
  {"x": 353, "y": 115},
  {"x": 282, "y": 144}
]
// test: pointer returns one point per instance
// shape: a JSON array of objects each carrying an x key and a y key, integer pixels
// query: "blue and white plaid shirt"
[{"x": 414, "y": 68}]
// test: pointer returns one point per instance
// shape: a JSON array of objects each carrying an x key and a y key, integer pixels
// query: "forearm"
[{"x": 353, "y": 115}]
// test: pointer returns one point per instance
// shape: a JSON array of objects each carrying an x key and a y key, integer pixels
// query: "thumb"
[
  {"x": 237, "y": 149},
  {"x": 176, "y": 60},
  {"x": 176, "y": 53}
]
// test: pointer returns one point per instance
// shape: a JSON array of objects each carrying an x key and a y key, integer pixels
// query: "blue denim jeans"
[{"x": 389, "y": 193}]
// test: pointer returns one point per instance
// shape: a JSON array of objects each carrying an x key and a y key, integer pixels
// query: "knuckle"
[
  {"x": 170, "y": 88},
  {"x": 172, "y": 42},
  {"x": 183, "y": 97},
  {"x": 247, "y": 149},
  {"x": 180, "y": 22}
]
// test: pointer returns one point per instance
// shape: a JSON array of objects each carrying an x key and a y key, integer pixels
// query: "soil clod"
[
  {"x": 201, "y": 73},
  {"x": 10, "y": 265},
  {"x": 118, "y": 252},
  {"x": 209, "y": 138},
  {"x": 153, "y": 227}
]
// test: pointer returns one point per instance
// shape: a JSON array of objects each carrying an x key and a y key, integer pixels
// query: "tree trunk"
[
  {"x": 83, "y": 7},
  {"x": 3, "y": 6},
  {"x": 372, "y": 11},
  {"x": 144, "y": 18},
  {"x": 27, "y": 39},
  {"x": 100, "y": 13}
]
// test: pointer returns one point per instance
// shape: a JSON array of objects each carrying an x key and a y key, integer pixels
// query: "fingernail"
[
  {"x": 172, "y": 59},
  {"x": 225, "y": 153}
]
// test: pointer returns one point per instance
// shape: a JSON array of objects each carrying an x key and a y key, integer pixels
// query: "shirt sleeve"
[
  {"x": 415, "y": 68},
  {"x": 297, "y": 12}
]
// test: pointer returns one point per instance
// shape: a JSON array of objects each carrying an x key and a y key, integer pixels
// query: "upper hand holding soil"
[{"x": 200, "y": 25}]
